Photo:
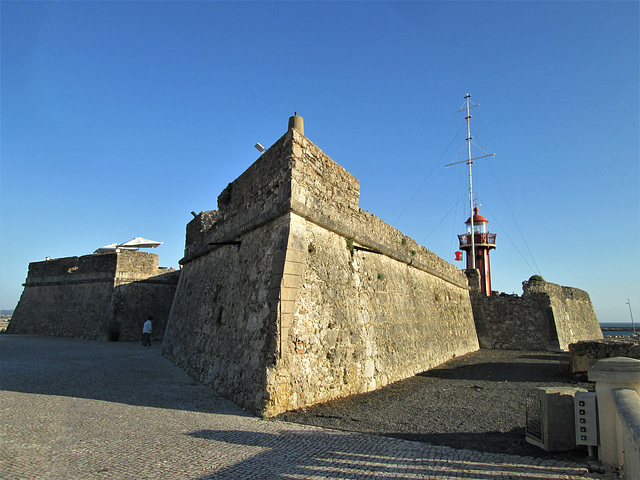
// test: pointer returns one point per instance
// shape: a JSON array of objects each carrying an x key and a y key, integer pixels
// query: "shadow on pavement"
[
  {"x": 122, "y": 372},
  {"x": 351, "y": 455}
]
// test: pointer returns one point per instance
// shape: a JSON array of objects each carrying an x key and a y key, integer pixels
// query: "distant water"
[{"x": 625, "y": 329}]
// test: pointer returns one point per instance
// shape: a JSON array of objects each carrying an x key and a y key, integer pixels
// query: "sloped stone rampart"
[
  {"x": 573, "y": 314},
  {"x": 80, "y": 309},
  {"x": 546, "y": 317},
  {"x": 222, "y": 329},
  {"x": 360, "y": 320},
  {"x": 291, "y": 294},
  {"x": 80, "y": 296}
]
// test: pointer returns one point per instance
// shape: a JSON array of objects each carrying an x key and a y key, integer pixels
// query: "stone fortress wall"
[
  {"x": 573, "y": 314},
  {"x": 546, "y": 317},
  {"x": 291, "y": 295},
  {"x": 82, "y": 296}
]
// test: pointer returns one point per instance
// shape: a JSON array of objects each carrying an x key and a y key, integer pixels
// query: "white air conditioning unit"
[{"x": 550, "y": 421}]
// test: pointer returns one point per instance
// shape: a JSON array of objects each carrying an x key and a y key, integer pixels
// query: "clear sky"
[{"x": 120, "y": 118}]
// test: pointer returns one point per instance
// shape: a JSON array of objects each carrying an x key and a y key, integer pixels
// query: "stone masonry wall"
[
  {"x": 586, "y": 353},
  {"x": 67, "y": 297},
  {"x": 222, "y": 326},
  {"x": 80, "y": 296},
  {"x": 291, "y": 294},
  {"x": 546, "y": 317},
  {"x": 134, "y": 301},
  {"x": 573, "y": 314},
  {"x": 360, "y": 320},
  {"x": 511, "y": 322}
]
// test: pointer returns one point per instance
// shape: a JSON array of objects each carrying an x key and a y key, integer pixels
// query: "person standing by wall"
[{"x": 146, "y": 333}]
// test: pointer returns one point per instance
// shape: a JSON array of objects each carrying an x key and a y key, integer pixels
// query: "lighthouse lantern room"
[{"x": 477, "y": 243}]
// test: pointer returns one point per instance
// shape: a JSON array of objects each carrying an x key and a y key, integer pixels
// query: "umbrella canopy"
[
  {"x": 140, "y": 242},
  {"x": 112, "y": 247},
  {"x": 107, "y": 248}
]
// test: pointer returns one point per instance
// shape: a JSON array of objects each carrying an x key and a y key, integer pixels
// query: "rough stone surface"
[
  {"x": 291, "y": 294},
  {"x": 585, "y": 354},
  {"x": 546, "y": 317},
  {"x": 573, "y": 314},
  {"x": 82, "y": 296}
]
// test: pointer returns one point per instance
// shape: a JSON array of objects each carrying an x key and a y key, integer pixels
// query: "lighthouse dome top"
[{"x": 477, "y": 218}]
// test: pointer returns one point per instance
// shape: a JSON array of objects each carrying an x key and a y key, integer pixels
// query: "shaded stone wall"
[
  {"x": 291, "y": 294},
  {"x": 134, "y": 301},
  {"x": 546, "y": 317},
  {"x": 80, "y": 310},
  {"x": 222, "y": 326},
  {"x": 511, "y": 322},
  {"x": 80, "y": 296}
]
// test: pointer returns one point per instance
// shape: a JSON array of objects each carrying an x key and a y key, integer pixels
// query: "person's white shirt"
[{"x": 147, "y": 327}]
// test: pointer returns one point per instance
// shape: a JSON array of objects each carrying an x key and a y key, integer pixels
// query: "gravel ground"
[{"x": 475, "y": 402}]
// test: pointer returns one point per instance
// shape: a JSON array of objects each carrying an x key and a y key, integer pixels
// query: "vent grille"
[{"x": 534, "y": 427}]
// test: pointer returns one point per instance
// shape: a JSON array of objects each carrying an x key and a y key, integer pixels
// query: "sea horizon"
[{"x": 623, "y": 329}]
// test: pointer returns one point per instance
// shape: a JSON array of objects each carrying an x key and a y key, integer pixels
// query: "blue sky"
[{"x": 120, "y": 118}]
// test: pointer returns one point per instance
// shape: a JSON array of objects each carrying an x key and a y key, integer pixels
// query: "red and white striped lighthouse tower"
[{"x": 477, "y": 242}]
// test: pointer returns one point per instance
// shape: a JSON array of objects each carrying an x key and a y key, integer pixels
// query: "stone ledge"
[
  {"x": 616, "y": 370},
  {"x": 585, "y": 354}
]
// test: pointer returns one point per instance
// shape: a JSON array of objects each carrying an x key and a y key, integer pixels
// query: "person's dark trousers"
[{"x": 147, "y": 340}]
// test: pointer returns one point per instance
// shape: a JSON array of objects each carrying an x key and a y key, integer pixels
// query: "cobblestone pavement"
[{"x": 74, "y": 409}]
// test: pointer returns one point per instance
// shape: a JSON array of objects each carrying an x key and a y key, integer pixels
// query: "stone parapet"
[{"x": 585, "y": 354}]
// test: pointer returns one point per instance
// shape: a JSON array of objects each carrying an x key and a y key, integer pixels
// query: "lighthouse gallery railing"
[{"x": 479, "y": 239}]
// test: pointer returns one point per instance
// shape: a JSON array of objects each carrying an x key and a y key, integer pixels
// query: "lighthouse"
[{"x": 477, "y": 242}]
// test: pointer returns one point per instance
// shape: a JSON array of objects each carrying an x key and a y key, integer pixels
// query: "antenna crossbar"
[{"x": 471, "y": 159}]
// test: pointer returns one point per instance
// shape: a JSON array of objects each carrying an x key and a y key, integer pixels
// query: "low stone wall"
[
  {"x": 585, "y": 354},
  {"x": 291, "y": 294},
  {"x": 83, "y": 296}
]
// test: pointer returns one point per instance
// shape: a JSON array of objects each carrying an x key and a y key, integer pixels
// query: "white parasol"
[{"x": 140, "y": 242}]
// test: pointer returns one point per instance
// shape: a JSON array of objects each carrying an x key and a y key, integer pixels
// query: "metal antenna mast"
[
  {"x": 469, "y": 161},
  {"x": 633, "y": 327}
]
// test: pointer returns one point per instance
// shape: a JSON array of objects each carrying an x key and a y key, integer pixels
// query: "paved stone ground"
[{"x": 75, "y": 409}]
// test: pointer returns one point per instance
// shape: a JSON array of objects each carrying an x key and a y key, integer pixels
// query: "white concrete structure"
[{"x": 618, "y": 390}]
